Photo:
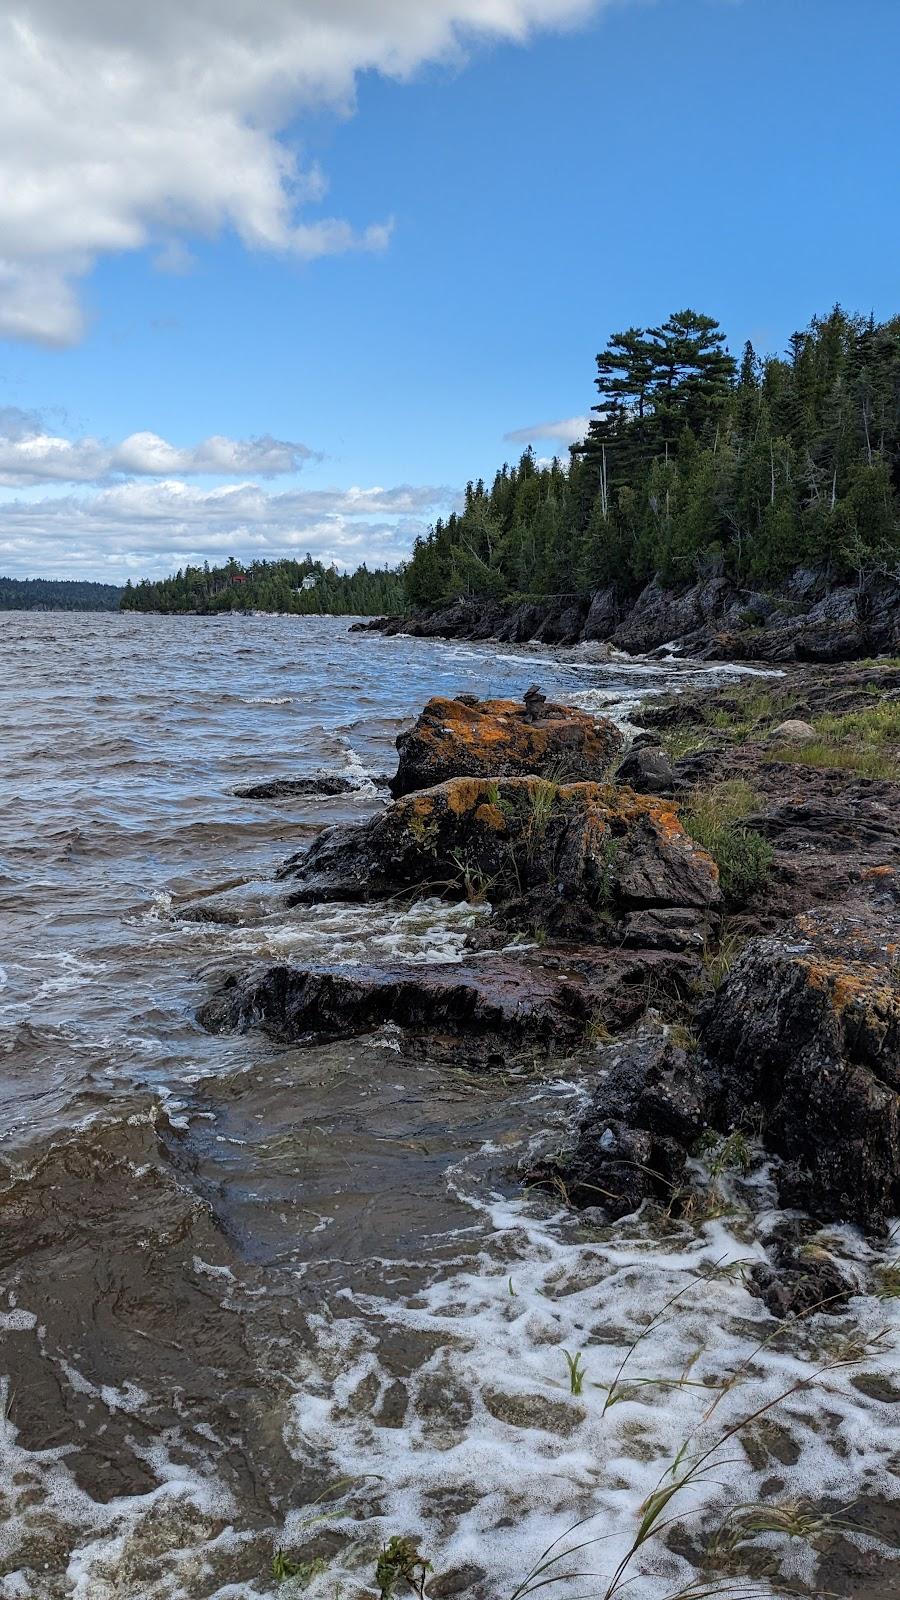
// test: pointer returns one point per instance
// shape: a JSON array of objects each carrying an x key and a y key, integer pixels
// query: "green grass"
[
  {"x": 400, "y": 1563},
  {"x": 715, "y": 818},
  {"x": 865, "y": 742},
  {"x": 576, "y": 1369}
]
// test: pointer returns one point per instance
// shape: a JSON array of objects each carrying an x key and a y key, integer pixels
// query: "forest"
[
  {"x": 57, "y": 594},
  {"x": 695, "y": 465},
  {"x": 306, "y": 588}
]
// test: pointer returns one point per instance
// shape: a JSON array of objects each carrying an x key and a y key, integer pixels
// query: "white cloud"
[
  {"x": 28, "y": 455},
  {"x": 124, "y": 125},
  {"x": 568, "y": 430},
  {"x": 147, "y": 529}
]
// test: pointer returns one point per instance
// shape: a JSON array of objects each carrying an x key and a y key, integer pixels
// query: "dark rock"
[
  {"x": 567, "y": 858},
  {"x": 807, "y": 619},
  {"x": 502, "y": 738},
  {"x": 631, "y": 1145},
  {"x": 647, "y": 770},
  {"x": 805, "y": 1037},
  {"x": 802, "y": 1277},
  {"x": 321, "y": 785},
  {"x": 606, "y": 612},
  {"x": 547, "y": 998}
]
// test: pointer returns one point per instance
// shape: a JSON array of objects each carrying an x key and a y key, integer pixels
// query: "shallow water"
[{"x": 240, "y": 1281}]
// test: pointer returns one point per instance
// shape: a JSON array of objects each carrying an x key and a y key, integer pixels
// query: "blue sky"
[{"x": 528, "y": 195}]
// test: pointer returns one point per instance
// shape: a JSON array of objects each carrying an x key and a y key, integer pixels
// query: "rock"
[
  {"x": 534, "y": 1411},
  {"x": 547, "y": 998},
  {"x": 568, "y": 858},
  {"x": 320, "y": 785},
  {"x": 500, "y": 738},
  {"x": 606, "y": 612},
  {"x": 647, "y": 770},
  {"x": 804, "y": 1035},
  {"x": 631, "y": 1145},
  {"x": 801, "y": 1276},
  {"x": 793, "y": 731},
  {"x": 808, "y": 618}
]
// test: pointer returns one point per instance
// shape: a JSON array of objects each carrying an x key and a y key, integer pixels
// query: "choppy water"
[{"x": 239, "y": 1283}]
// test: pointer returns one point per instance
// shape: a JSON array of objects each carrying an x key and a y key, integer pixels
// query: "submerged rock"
[
  {"x": 569, "y": 858},
  {"x": 805, "y": 1037},
  {"x": 469, "y": 738}
]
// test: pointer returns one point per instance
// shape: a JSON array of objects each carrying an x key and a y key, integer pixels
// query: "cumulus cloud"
[
  {"x": 568, "y": 430},
  {"x": 127, "y": 125},
  {"x": 147, "y": 529},
  {"x": 29, "y": 455}
]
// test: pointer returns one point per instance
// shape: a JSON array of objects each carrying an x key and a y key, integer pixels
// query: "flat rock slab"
[{"x": 554, "y": 996}]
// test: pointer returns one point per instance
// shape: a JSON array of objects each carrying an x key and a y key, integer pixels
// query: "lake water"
[{"x": 256, "y": 1298}]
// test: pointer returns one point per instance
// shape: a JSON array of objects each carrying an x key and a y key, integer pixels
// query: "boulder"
[
  {"x": 322, "y": 785},
  {"x": 794, "y": 731},
  {"x": 647, "y": 770},
  {"x": 631, "y": 1144},
  {"x": 804, "y": 1036},
  {"x": 468, "y": 738},
  {"x": 568, "y": 858}
]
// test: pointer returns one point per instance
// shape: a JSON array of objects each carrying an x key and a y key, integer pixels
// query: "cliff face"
[{"x": 805, "y": 620}]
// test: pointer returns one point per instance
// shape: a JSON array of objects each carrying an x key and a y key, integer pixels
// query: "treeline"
[
  {"x": 57, "y": 594},
  {"x": 696, "y": 465},
  {"x": 306, "y": 588}
]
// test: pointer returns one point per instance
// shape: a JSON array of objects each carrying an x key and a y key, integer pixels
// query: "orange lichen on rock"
[{"x": 497, "y": 738}]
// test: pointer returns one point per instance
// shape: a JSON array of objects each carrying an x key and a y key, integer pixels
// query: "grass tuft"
[
  {"x": 716, "y": 819},
  {"x": 576, "y": 1372}
]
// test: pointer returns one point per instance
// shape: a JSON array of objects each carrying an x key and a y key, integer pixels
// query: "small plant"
[
  {"x": 719, "y": 959},
  {"x": 728, "y": 1154},
  {"x": 887, "y": 1281},
  {"x": 596, "y": 1030},
  {"x": 541, "y": 799},
  {"x": 681, "y": 1036},
  {"x": 794, "y": 1519},
  {"x": 425, "y": 833},
  {"x": 576, "y": 1372},
  {"x": 715, "y": 818},
  {"x": 401, "y": 1562},
  {"x": 284, "y": 1568}
]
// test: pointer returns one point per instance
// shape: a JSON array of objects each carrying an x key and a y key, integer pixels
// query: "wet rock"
[
  {"x": 802, "y": 1278},
  {"x": 320, "y": 785},
  {"x": 804, "y": 1034},
  {"x": 551, "y": 997},
  {"x": 534, "y": 1411},
  {"x": 501, "y": 738},
  {"x": 567, "y": 858},
  {"x": 631, "y": 1145},
  {"x": 647, "y": 770},
  {"x": 462, "y": 1580}
]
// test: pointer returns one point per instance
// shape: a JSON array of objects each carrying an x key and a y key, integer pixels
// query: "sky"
[{"x": 281, "y": 275}]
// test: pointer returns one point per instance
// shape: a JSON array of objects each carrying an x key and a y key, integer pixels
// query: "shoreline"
[{"x": 806, "y": 619}]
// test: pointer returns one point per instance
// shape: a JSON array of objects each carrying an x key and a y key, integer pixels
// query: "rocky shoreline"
[
  {"x": 808, "y": 618},
  {"x": 706, "y": 926}
]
